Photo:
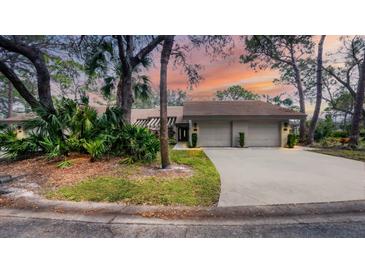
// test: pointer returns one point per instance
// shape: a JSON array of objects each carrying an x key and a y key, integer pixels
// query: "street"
[{"x": 31, "y": 225}]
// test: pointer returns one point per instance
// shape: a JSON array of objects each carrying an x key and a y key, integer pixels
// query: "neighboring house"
[{"x": 218, "y": 123}]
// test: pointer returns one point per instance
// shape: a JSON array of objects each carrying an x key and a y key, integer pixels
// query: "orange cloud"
[{"x": 220, "y": 74}]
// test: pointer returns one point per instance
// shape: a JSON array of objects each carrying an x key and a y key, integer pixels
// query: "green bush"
[
  {"x": 138, "y": 143},
  {"x": 325, "y": 128},
  {"x": 291, "y": 140},
  {"x": 194, "y": 139},
  {"x": 340, "y": 134},
  {"x": 64, "y": 164},
  {"x": 172, "y": 141},
  {"x": 330, "y": 142},
  {"x": 78, "y": 128},
  {"x": 242, "y": 139},
  {"x": 96, "y": 148}
]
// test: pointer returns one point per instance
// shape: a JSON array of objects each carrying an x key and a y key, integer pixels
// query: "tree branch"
[
  {"x": 146, "y": 50},
  {"x": 20, "y": 87},
  {"x": 342, "y": 82},
  {"x": 37, "y": 59}
]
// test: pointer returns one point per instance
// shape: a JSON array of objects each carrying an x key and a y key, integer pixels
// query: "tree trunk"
[
  {"x": 298, "y": 80},
  {"x": 164, "y": 138},
  {"x": 317, "y": 108},
  {"x": 10, "y": 99},
  {"x": 359, "y": 101},
  {"x": 125, "y": 96}
]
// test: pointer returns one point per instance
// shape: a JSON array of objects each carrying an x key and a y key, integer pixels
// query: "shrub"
[
  {"x": 340, "y": 134},
  {"x": 291, "y": 140},
  {"x": 194, "y": 139},
  {"x": 96, "y": 148},
  {"x": 138, "y": 143},
  {"x": 64, "y": 164},
  {"x": 77, "y": 128},
  {"x": 172, "y": 141},
  {"x": 242, "y": 139},
  {"x": 325, "y": 128},
  {"x": 330, "y": 142}
]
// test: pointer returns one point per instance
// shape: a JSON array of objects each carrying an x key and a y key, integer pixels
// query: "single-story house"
[{"x": 217, "y": 123}]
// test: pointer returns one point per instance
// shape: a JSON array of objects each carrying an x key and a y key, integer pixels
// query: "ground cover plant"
[{"x": 196, "y": 185}]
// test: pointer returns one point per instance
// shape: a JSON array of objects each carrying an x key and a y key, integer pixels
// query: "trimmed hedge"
[
  {"x": 194, "y": 139},
  {"x": 291, "y": 140},
  {"x": 242, "y": 139}
]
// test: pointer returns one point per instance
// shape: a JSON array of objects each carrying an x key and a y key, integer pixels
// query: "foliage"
[
  {"x": 200, "y": 189},
  {"x": 64, "y": 164},
  {"x": 325, "y": 128},
  {"x": 280, "y": 101},
  {"x": 78, "y": 128},
  {"x": 96, "y": 148},
  {"x": 194, "y": 139},
  {"x": 139, "y": 143},
  {"x": 330, "y": 142},
  {"x": 291, "y": 140},
  {"x": 242, "y": 139},
  {"x": 236, "y": 93},
  {"x": 174, "y": 98},
  {"x": 340, "y": 134},
  {"x": 172, "y": 141},
  {"x": 358, "y": 155}
]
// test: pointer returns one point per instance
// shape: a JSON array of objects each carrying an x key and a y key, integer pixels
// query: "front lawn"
[
  {"x": 358, "y": 155},
  {"x": 199, "y": 187}
]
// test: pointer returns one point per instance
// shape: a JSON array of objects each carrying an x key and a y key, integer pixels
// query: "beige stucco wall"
[{"x": 284, "y": 133}]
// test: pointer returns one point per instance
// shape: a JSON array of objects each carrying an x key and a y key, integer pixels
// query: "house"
[{"x": 218, "y": 123}]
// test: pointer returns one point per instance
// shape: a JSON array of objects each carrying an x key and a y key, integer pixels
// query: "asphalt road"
[{"x": 341, "y": 226}]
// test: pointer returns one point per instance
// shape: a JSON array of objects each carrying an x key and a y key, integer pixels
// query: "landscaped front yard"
[
  {"x": 358, "y": 155},
  {"x": 192, "y": 180},
  {"x": 197, "y": 184}
]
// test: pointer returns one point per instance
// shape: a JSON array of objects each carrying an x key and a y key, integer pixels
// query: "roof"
[
  {"x": 20, "y": 118},
  {"x": 247, "y": 108},
  {"x": 146, "y": 113}
]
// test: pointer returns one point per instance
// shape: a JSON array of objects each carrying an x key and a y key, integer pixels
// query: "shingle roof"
[{"x": 237, "y": 108}]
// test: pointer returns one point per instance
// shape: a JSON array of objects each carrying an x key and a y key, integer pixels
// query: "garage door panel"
[
  {"x": 263, "y": 135},
  {"x": 215, "y": 134}
]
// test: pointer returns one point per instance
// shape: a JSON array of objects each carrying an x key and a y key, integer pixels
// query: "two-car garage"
[
  {"x": 226, "y": 133},
  {"x": 219, "y": 123}
]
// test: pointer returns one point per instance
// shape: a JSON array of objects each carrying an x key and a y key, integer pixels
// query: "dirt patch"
[
  {"x": 41, "y": 172},
  {"x": 174, "y": 171}
]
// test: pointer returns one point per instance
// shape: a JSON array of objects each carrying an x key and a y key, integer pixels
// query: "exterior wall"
[
  {"x": 284, "y": 132},
  {"x": 237, "y": 127}
]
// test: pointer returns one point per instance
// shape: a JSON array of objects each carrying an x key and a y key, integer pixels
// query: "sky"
[{"x": 222, "y": 73}]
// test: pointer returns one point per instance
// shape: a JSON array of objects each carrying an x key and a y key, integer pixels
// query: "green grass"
[
  {"x": 358, "y": 155},
  {"x": 200, "y": 189}
]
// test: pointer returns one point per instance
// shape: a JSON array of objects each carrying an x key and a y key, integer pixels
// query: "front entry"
[{"x": 183, "y": 134}]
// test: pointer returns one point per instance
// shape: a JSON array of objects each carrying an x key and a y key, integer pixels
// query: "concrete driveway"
[{"x": 267, "y": 176}]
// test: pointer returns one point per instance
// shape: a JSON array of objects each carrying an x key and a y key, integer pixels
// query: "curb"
[{"x": 184, "y": 212}]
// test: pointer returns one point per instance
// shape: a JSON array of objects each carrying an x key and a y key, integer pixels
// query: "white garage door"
[
  {"x": 263, "y": 134},
  {"x": 217, "y": 134}
]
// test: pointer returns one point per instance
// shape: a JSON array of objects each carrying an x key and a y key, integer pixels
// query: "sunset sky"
[{"x": 220, "y": 74}]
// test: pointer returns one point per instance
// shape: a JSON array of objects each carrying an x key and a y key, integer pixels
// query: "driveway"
[{"x": 267, "y": 176}]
